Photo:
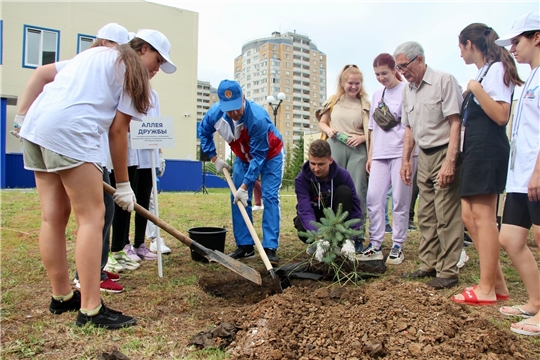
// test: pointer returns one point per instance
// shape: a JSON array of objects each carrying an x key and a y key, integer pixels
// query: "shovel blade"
[
  {"x": 227, "y": 261},
  {"x": 233, "y": 265}
]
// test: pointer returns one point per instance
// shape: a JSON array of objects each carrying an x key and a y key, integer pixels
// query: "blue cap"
[{"x": 230, "y": 95}]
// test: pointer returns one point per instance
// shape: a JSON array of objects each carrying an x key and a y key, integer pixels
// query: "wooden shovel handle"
[
  {"x": 252, "y": 231},
  {"x": 153, "y": 218}
]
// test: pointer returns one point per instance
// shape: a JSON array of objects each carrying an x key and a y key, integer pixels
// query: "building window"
[
  {"x": 314, "y": 78},
  {"x": 287, "y": 73},
  {"x": 314, "y": 62},
  {"x": 248, "y": 53},
  {"x": 287, "y": 90},
  {"x": 287, "y": 116},
  {"x": 288, "y": 124},
  {"x": 288, "y": 48},
  {"x": 287, "y": 56},
  {"x": 41, "y": 46},
  {"x": 287, "y": 107},
  {"x": 287, "y": 81},
  {"x": 84, "y": 42},
  {"x": 287, "y": 64}
]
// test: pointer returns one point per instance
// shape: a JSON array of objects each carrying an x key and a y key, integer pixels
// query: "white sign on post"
[{"x": 153, "y": 132}]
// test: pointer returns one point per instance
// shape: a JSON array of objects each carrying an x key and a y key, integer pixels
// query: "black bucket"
[{"x": 212, "y": 238}]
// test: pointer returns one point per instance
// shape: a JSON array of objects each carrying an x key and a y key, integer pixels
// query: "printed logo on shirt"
[{"x": 529, "y": 95}]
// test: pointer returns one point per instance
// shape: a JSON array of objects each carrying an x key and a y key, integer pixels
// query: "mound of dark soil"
[{"x": 390, "y": 319}]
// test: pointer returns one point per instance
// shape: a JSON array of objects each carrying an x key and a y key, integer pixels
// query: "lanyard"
[
  {"x": 517, "y": 118},
  {"x": 470, "y": 95}
]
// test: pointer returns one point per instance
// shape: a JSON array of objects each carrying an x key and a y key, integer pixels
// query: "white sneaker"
[
  {"x": 113, "y": 265},
  {"x": 257, "y": 208},
  {"x": 370, "y": 253},
  {"x": 463, "y": 258},
  {"x": 125, "y": 260},
  {"x": 164, "y": 248}
]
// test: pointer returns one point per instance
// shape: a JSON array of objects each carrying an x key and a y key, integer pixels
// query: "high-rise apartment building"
[
  {"x": 206, "y": 97},
  {"x": 289, "y": 63}
]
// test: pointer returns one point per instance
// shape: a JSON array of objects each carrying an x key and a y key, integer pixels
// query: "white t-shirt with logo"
[
  {"x": 72, "y": 112},
  {"x": 525, "y": 135}
]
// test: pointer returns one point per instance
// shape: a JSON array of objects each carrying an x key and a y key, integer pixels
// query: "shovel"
[
  {"x": 253, "y": 233},
  {"x": 212, "y": 255}
]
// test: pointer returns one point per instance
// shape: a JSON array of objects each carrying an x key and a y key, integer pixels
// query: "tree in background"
[
  {"x": 288, "y": 176},
  {"x": 298, "y": 156}
]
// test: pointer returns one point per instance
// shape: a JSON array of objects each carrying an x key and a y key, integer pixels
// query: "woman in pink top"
[{"x": 383, "y": 165}]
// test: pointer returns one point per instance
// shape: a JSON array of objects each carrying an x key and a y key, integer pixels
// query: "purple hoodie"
[{"x": 308, "y": 188}]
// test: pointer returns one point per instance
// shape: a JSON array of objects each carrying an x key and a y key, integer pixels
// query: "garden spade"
[
  {"x": 212, "y": 255},
  {"x": 253, "y": 233}
]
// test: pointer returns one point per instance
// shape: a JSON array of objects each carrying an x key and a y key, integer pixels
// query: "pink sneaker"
[
  {"x": 128, "y": 249},
  {"x": 145, "y": 254}
]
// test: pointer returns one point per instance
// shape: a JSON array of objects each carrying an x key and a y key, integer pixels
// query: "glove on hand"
[
  {"x": 322, "y": 248},
  {"x": 220, "y": 164},
  {"x": 241, "y": 195},
  {"x": 161, "y": 168},
  {"x": 348, "y": 250},
  {"x": 124, "y": 196},
  {"x": 17, "y": 124}
]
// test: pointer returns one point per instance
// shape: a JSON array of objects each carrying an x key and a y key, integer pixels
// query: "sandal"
[
  {"x": 500, "y": 297},
  {"x": 520, "y": 312},
  {"x": 469, "y": 298},
  {"x": 526, "y": 332}
]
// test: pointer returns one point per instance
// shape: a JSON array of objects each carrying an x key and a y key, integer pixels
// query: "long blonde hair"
[{"x": 344, "y": 75}]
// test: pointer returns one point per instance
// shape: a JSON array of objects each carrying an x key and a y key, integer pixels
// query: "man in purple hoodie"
[{"x": 323, "y": 183}]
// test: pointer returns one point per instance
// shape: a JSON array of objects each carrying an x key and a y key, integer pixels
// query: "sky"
[{"x": 352, "y": 32}]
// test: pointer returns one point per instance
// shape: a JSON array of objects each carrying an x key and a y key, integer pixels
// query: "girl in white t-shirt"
[
  {"x": 99, "y": 90},
  {"x": 485, "y": 112},
  {"x": 384, "y": 164},
  {"x": 522, "y": 207}
]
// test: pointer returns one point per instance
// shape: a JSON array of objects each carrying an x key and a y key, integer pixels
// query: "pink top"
[{"x": 388, "y": 144}]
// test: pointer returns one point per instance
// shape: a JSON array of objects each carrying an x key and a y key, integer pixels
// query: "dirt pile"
[{"x": 381, "y": 319}]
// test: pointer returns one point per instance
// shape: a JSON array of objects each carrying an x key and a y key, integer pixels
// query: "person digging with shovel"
[{"x": 258, "y": 147}]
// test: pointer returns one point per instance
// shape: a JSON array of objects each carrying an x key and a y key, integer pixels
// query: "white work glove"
[
  {"x": 124, "y": 196},
  {"x": 242, "y": 196},
  {"x": 322, "y": 248},
  {"x": 220, "y": 164},
  {"x": 348, "y": 250},
  {"x": 17, "y": 124},
  {"x": 161, "y": 168}
]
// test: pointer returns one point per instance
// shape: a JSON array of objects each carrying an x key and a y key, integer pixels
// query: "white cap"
[
  {"x": 527, "y": 22},
  {"x": 161, "y": 44},
  {"x": 114, "y": 32},
  {"x": 131, "y": 35}
]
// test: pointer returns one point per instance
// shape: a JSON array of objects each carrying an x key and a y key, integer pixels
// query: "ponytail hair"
[
  {"x": 388, "y": 60},
  {"x": 136, "y": 81},
  {"x": 483, "y": 38}
]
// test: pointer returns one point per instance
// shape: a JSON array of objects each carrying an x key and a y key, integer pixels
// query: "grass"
[{"x": 169, "y": 310}]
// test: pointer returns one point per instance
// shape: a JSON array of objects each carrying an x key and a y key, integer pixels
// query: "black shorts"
[{"x": 519, "y": 211}]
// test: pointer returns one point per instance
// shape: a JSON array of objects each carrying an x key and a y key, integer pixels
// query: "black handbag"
[{"x": 383, "y": 116}]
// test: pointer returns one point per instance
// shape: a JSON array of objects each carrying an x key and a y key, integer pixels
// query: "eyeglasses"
[{"x": 403, "y": 67}]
